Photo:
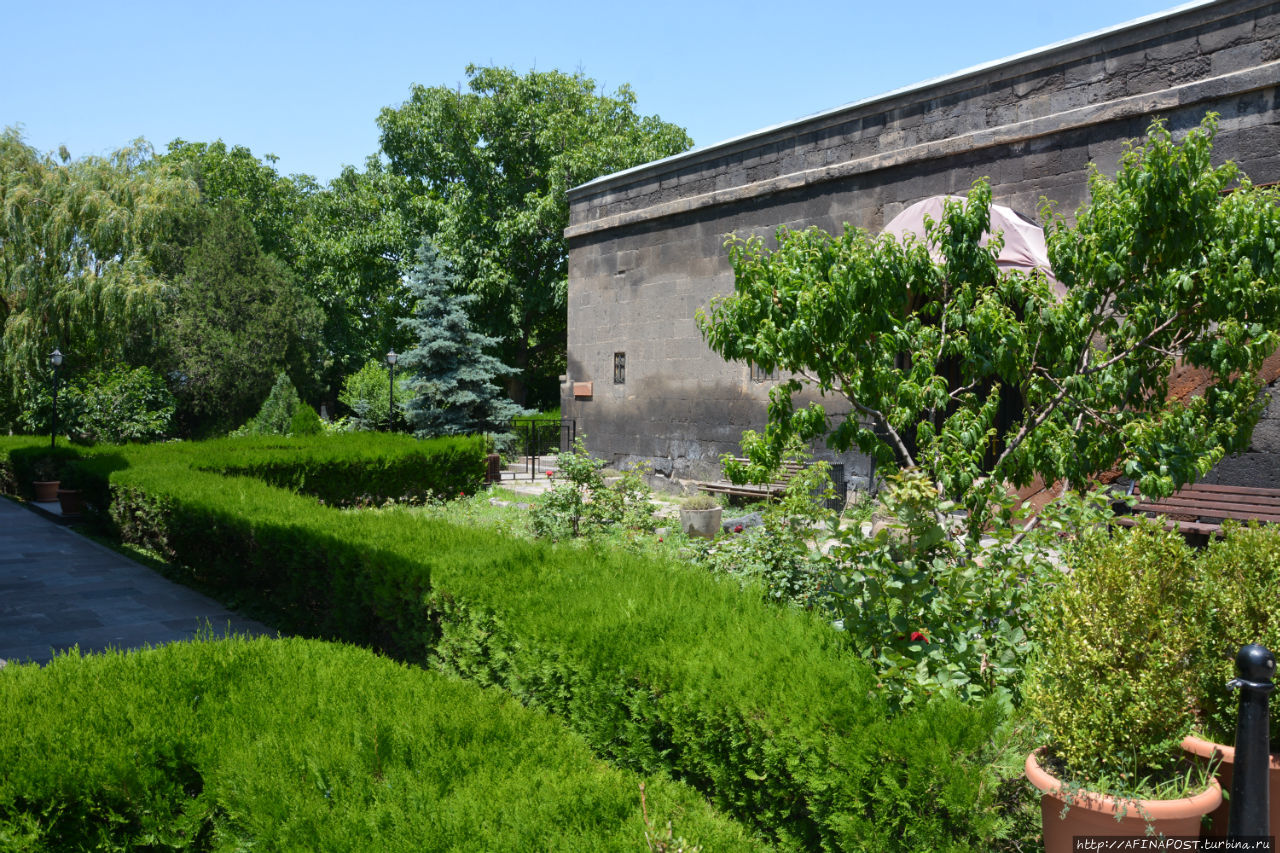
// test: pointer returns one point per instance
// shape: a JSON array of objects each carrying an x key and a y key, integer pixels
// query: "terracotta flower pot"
[
  {"x": 46, "y": 491},
  {"x": 71, "y": 501},
  {"x": 1095, "y": 814},
  {"x": 1226, "y": 756}
]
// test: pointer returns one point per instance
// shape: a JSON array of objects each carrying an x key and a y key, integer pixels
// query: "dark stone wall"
[{"x": 646, "y": 246}]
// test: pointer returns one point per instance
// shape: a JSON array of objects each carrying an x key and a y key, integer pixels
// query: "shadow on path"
[{"x": 59, "y": 589}]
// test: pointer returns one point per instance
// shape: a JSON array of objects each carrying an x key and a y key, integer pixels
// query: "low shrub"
[
  {"x": 1237, "y": 586},
  {"x": 1108, "y": 683},
  {"x": 657, "y": 664},
  {"x": 300, "y": 745},
  {"x": 581, "y": 504},
  {"x": 305, "y": 422}
]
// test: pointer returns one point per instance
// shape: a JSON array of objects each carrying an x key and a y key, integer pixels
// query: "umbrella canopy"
[{"x": 1024, "y": 246}]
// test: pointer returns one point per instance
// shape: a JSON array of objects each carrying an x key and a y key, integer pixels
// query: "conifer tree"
[{"x": 450, "y": 374}]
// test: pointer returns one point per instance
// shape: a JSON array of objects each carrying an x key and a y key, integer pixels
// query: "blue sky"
[{"x": 305, "y": 81}]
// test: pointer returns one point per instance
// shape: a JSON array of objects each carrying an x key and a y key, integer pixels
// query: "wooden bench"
[
  {"x": 753, "y": 491},
  {"x": 1200, "y": 509}
]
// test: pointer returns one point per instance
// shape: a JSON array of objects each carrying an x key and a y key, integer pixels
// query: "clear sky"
[{"x": 305, "y": 80}]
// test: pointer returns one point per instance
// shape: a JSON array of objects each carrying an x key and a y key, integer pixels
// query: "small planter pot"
[
  {"x": 1095, "y": 814},
  {"x": 701, "y": 522},
  {"x": 46, "y": 491},
  {"x": 1226, "y": 757},
  {"x": 71, "y": 501}
]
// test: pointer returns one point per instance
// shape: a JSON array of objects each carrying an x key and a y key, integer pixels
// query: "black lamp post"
[
  {"x": 391, "y": 390},
  {"x": 55, "y": 358}
]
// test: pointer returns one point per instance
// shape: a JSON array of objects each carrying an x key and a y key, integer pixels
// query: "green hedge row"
[
  {"x": 365, "y": 468},
  {"x": 657, "y": 664},
  {"x": 300, "y": 745}
]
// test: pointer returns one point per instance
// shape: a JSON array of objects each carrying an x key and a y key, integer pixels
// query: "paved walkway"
[{"x": 59, "y": 589}]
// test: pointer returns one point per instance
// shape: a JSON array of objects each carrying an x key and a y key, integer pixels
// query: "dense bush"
[
  {"x": 114, "y": 405},
  {"x": 1237, "y": 586},
  {"x": 657, "y": 664},
  {"x": 581, "y": 504},
  {"x": 299, "y": 745},
  {"x": 1109, "y": 681},
  {"x": 366, "y": 395},
  {"x": 276, "y": 415}
]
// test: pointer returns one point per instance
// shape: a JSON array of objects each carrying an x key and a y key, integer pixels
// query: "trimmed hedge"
[
  {"x": 657, "y": 664},
  {"x": 300, "y": 745}
]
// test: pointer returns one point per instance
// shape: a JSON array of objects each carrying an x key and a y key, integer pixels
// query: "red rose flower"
[
  {"x": 917, "y": 636},
  {"x": 738, "y": 529}
]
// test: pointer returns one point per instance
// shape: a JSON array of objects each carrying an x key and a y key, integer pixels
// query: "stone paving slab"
[{"x": 59, "y": 589}]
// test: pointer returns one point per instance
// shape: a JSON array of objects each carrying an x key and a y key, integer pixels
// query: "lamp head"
[
  {"x": 55, "y": 358},
  {"x": 392, "y": 358}
]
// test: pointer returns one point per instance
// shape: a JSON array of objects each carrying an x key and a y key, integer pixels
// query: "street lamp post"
[
  {"x": 55, "y": 358},
  {"x": 391, "y": 390}
]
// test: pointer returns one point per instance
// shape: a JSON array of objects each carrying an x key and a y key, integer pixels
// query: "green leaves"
[
  {"x": 982, "y": 377},
  {"x": 76, "y": 251},
  {"x": 496, "y": 161}
]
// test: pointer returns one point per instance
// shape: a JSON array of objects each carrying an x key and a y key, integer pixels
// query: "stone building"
[{"x": 646, "y": 245}]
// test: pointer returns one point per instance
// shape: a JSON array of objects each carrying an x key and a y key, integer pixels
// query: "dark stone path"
[{"x": 59, "y": 589}]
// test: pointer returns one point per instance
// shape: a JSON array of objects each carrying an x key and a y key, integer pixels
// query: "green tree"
[
  {"x": 450, "y": 377},
  {"x": 115, "y": 404},
  {"x": 496, "y": 161},
  {"x": 236, "y": 319},
  {"x": 276, "y": 415},
  {"x": 366, "y": 394},
  {"x": 77, "y": 239},
  {"x": 354, "y": 238},
  {"x": 234, "y": 176},
  {"x": 1162, "y": 266}
]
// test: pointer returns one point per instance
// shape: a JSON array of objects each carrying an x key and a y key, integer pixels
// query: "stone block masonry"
[{"x": 646, "y": 246}]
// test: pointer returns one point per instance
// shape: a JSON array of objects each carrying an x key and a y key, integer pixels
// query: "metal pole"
[
  {"x": 53, "y": 431},
  {"x": 1250, "y": 791},
  {"x": 391, "y": 389}
]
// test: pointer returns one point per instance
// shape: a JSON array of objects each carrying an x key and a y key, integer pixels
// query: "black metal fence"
[{"x": 536, "y": 437}]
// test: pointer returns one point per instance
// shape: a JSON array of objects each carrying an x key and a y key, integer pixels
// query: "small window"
[
  {"x": 759, "y": 374},
  {"x": 619, "y": 368}
]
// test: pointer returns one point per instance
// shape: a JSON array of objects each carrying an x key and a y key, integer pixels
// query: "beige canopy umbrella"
[{"x": 1024, "y": 246}]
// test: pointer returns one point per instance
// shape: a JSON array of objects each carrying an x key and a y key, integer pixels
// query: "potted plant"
[
  {"x": 700, "y": 516},
  {"x": 70, "y": 493},
  {"x": 1108, "y": 691},
  {"x": 1237, "y": 584},
  {"x": 44, "y": 473}
]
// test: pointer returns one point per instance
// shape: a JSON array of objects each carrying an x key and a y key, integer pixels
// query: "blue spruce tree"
[{"x": 450, "y": 373}]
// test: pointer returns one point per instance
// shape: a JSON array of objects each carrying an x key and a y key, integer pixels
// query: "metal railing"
[{"x": 537, "y": 437}]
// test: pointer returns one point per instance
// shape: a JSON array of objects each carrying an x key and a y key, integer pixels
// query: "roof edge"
[{"x": 704, "y": 151}]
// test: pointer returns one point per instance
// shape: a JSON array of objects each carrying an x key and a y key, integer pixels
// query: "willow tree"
[
  {"x": 75, "y": 238},
  {"x": 1162, "y": 266}
]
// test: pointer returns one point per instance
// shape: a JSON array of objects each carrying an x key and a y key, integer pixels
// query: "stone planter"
[
  {"x": 46, "y": 491},
  {"x": 1095, "y": 814},
  {"x": 701, "y": 522},
  {"x": 1226, "y": 756}
]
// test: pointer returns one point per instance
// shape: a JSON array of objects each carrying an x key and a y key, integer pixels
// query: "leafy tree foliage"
[
  {"x": 76, "y": 252},
  {"x": 1161, "y": 267},
  {"x": 451, "y": 377},
  {"x": 496, "y": 161},
  {"x": 237, "y": 318},
  {"x": 354, "y": 238},
  {"x": 115, "y": 404},
  {"x": 234, "y": 176},
  {"x": 366, "y": 395}
]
